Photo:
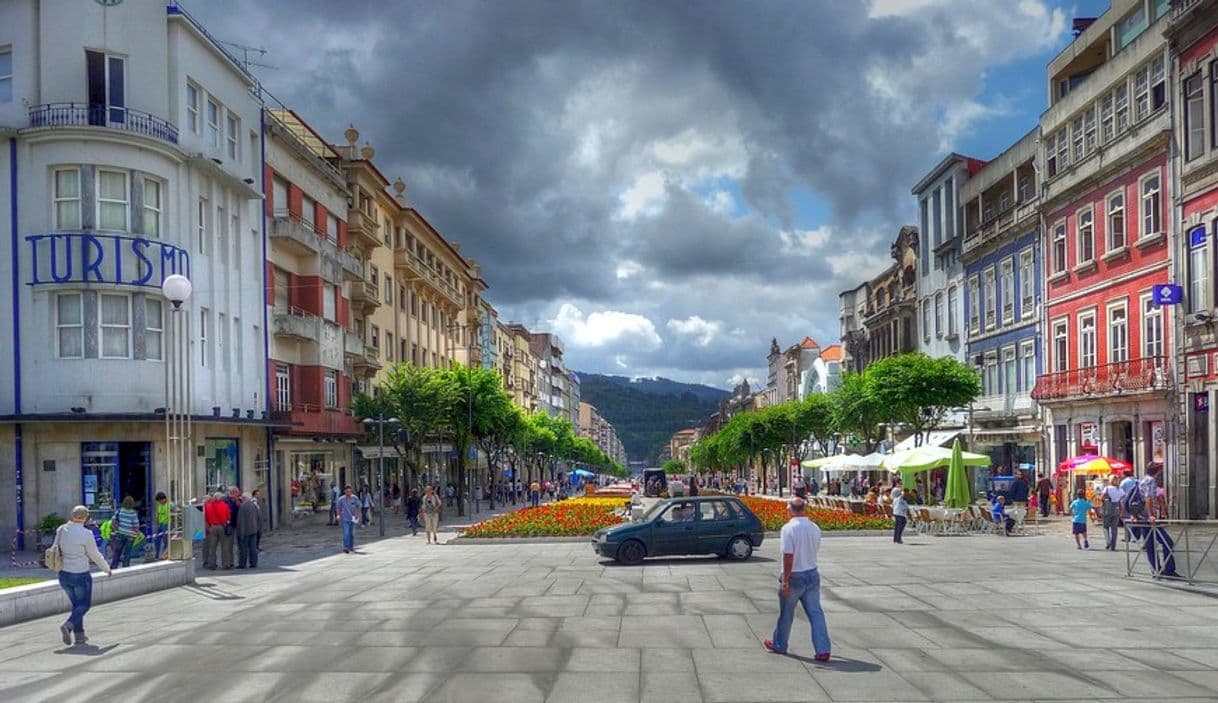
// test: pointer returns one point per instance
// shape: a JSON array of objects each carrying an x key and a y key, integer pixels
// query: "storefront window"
[
  {"x": 221, "y": 464},
  {"x": 313, "y": 476},
  {"x": 98, "y": 464}
]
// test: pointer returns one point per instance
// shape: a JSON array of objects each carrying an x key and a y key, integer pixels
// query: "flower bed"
[
  {"x": 568, "y": 518},
  {"x": 773, "y": 514}
]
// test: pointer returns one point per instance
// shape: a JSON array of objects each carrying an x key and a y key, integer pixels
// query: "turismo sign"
[{"x": 103, "y": 258}]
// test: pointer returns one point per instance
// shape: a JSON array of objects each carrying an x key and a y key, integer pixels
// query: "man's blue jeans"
[
  {"x": 79, "y": 588},
  {"x": 805, "y": 590},
  {"x": 535, "y": 498},
  {"x": 161, "y": 541},
  {"x": 348, "y": 535}
]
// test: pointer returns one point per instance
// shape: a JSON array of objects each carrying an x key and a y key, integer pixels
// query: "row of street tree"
[
  {"x": 467, "y": 407},
  {"x": 913, "y": 392}
]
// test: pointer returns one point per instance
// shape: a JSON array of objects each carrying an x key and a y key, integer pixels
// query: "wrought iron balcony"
[
  {"x": 1121, "y": 378},
  {"x": 99, "y": 115}
]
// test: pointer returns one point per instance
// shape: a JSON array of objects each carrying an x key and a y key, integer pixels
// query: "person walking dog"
[
  {"x": 76, "y": 550},
  {"x": 800, "y": 582}
]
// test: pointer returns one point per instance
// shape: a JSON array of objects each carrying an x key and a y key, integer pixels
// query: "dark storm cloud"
[{"x": 534, "y": 133}]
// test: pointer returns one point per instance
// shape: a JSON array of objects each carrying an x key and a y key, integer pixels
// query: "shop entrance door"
[
  {"x": 1121, "y": 443},
  {"x": 111, "y": 471}
]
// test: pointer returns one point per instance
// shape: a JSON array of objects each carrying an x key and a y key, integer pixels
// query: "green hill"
[{"x": 646, "y": 412}]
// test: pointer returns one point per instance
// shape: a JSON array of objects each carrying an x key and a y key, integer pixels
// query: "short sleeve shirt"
[
  {"x": 801, "y": 538},
  {"x": 1080, "y": 507}
]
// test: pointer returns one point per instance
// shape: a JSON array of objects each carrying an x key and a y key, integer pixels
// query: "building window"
[
  {"x": 1027, "y": 355},
  {"x": 152, "y": 208},
  {"x": 1107, "y": 125},
  {"x": 331, "y": 228},
  {"x": 232, "y": 134},
  {"x": 1116, "y": 221},
  {"x": 1089, "y": 130},
  {"x": 1194, "y": 118},
  {"x": 1121, "y": 100},
  {"x": 6, "y": 75},
  {"x": 237, "y": 346},
  {"x": 939, "y": 314},
  {"x": 1009, "y": 368},
  {"x": 376, "y": 337},
  {"x": 154, "y": 328},
  {"x": 953, "y": 305},
  {"x": 991, "y": 300},
  {"x": 1076, "y": 131},
  {"x": 283, "y": 388},
  {"x": 1152, "y": 328},
  {"x": 112, "y": 201},
  {"x": 974, "y": 304},
  {"x": 1061, "y": 345},
  {"x": 1086, "y": 236},
  {"x": 114, "y": 326},
  {"x": 991, "y": 374},
  {"x": 279, "y": 197},
  {"x": 1059, "y": 247},
  {"x": 213, "y": 123},
  {"x": 1007, "y": 283},
  {"x": 1150, "y": 206},
  {"x": 192, "y": 107},
  {"x": 1149, "y": 91},
  {"x": 222, "y": 235},
  {"x": 1086, "y": 340},
  {"x": 388, "y": 347},
  {"x": 1118, "y": 333},
  {"x": 331, "y": 388},
  {"x": 1027, "y": 281},
  {"x": 308, "y": 211},
  {"x": 204, "y": 333},
  {"x": 221, "y": 347},
  {"x": 1198, "y": 272},
  {"x": 67, "y": 199},
  {"x": 235, "y": 229},
  {"x": 388, "y": 291},
  {"x": 329, "y": 302},
  {"x": 70, "y": 326},
  {"x": 201, "y": 225}
]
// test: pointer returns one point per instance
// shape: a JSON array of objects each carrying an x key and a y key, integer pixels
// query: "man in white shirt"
[{"x": 800, "y": 582}]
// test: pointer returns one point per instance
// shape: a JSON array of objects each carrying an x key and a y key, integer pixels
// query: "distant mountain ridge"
[{"x": 646, "y": 412}]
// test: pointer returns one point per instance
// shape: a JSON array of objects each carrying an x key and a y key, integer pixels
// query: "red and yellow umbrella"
[{"x": 1093, "y": 464}]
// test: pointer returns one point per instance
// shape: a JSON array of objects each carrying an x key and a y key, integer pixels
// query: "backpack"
[
  {"x": 53, "y": 556},
  {"x": 1107, "y": 507},
  {"x": 1135, "y": 503}
]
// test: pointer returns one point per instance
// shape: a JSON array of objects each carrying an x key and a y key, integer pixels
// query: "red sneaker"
[
  {"x": 770, "y": 646},
  {"x": 822, "y": 657}
]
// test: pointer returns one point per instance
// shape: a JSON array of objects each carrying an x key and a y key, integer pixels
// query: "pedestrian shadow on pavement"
[
  {"x": 853, "y": 666},
  {"x": 212, "y": 591},
  {"x": 86, "y": 650}
]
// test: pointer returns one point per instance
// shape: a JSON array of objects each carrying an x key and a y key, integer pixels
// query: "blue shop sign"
[
  {"x": 1166, "y": 294},
  {"x": 1196, "y": 237},
  {"x": 103, "y": 258}
]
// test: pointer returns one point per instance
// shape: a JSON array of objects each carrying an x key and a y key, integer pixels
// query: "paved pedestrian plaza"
[{"x": 964, "y": 618}]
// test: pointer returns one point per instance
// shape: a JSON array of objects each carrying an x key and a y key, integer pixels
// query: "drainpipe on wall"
[{"x": 14, "y": 236}]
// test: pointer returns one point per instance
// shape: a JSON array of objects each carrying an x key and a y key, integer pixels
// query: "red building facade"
[{"x": 1108, "y": 385}]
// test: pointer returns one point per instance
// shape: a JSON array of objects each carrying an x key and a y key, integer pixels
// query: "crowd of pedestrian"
[{"x": 233, "y": 525}]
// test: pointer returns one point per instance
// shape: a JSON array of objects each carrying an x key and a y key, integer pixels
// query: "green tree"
[
  {"x": 420, "y": 400},
  {"x": 475, "y": 396},
  {"x": 920, "y": 391},
  {"x": 674, "y": 467},
  {"x": 856, "y": 413}
]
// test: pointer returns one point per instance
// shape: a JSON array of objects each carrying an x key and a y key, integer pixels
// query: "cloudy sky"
[{"x": 666, "y": 184}]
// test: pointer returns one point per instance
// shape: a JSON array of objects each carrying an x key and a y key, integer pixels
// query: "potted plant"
[{"x": 46, "y": 530}]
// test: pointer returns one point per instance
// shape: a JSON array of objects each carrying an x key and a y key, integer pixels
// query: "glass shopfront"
[
  {"x": 222, "y": 463},
  {"x": 111, "y": 471}
]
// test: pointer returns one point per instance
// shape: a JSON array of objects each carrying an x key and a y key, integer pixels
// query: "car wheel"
[
  {"x": 631, "y": 552},
  {"x": 740, "y": 548}
]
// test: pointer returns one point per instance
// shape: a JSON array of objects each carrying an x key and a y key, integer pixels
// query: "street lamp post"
[
  {"x": 179, "y": 462},
  {"x": 381, "y": 421}
]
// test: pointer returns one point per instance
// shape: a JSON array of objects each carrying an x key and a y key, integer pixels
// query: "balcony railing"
[
  {"x": 366, "y": 294},
  {"x": 297, "y": 323},
  {"x": 364, "y": 227},
  {"x": 404, "y": 258},
  {"x": 98, "y": 115},
  {"x": 311, "y": 418},
  {"x": 1124, "y": 377},
  {"x": 1000, "y": 224}
]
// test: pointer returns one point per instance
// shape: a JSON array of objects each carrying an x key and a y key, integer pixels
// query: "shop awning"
[
  {"x": 374, "y": 451},
  {"x": 937, "y": 438}
]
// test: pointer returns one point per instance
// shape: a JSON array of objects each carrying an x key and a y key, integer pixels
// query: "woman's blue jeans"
[
  {"x": 122, "y": 550},
  {"x": 79, "y": 588},
  {"x": 805, "y": 590}
]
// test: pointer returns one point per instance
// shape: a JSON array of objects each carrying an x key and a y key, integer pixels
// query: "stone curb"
[
  {"x": 37, "y": 600},
  {"x": 586, "y": 538}
]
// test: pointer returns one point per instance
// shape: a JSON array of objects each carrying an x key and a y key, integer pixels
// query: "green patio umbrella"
[
  {"x": 920, "y": 459},
  {"x": 956, "y": 493}
]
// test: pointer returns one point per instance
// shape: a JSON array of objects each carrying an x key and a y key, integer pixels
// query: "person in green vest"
[{"x": 160, "y": 530}]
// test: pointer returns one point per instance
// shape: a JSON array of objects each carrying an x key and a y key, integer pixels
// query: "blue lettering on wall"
[{"x": 137, "y": 256}]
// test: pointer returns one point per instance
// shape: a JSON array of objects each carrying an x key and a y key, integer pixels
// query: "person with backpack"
[
  {"x": 1146, "y": 504},
  {"x": 1110, "y": 512},
  {"x": 75, "y": 549}
]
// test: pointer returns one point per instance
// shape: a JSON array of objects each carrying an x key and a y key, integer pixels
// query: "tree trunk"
[{"x": 461, "y": 488}]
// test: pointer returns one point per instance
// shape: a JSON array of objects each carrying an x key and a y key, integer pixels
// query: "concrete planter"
[{"x": 39, "y": 600}]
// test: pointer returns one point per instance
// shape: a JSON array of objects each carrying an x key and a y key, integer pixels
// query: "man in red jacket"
[{"x": 216, "y": 515}]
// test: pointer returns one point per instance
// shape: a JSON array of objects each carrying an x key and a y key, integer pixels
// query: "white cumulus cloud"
[
  {"x": 604, "y": 328},
  {"x": 703, "y": 331}
]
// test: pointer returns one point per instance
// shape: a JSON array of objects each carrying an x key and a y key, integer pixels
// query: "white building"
[{"x": 133, "y": 151}]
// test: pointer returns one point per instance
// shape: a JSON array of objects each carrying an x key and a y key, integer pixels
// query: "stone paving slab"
[{"x": 404, "y": 621}]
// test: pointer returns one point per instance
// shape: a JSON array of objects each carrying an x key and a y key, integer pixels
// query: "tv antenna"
[{"x": 246, "y": 50}]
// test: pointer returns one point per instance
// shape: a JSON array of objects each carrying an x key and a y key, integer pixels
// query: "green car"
[{"x": 705, "y": 525}]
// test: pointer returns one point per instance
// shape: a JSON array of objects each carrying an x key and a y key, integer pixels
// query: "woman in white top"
[{"x": 78, "y": 548}]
